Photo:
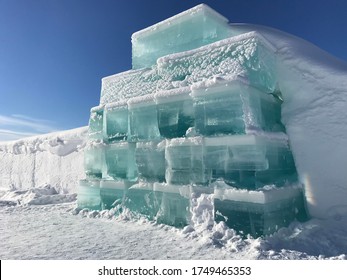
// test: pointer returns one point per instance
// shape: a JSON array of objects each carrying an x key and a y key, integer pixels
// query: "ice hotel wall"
[{"x": 194, "y": 118}]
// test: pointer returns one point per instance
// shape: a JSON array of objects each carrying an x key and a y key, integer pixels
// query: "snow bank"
[
  {"x": 51, "y": 160},
  {"x": 314, "y": 88}
]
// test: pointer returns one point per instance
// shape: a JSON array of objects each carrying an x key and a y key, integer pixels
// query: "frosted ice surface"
[
  {"x": 94, "y": 160},
  {"x": 248, "y": 55},
  {"x": 188, "y": 30},
  {"x": 129, "y": 84},
  {"x": 96, "y": 123}
]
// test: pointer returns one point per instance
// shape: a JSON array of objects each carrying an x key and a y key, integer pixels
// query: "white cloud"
[{"x": 18, "y": 126}]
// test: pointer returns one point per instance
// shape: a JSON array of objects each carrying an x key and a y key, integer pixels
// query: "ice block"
[
  {"x": 185, "y": 161},
  {"x": 116, "y": 122},
  {"x": 249, "y": 161},
  {"x": 120, "y": 161},
  {"x": 88, "y": 194},
  {"x": 259, "y": 212},
  {"x": 175, "y": 112},
  {"x": 96, "y": 123},
  {"x": 94, "y": 159},
  {"x": 233, "y": 107},
  {"x": 112, "y": 194},
  {"x": 150, "y": 160},
  {"x": 141, "y": 201},
  {"x": 143, "y": 118},
  {"x": 188, "y": 30},
  {"x": 174, "y": 209}
]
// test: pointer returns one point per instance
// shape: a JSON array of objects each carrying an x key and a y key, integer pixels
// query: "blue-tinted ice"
[
  {"x": 199, "y": 113},
  {"x": 189, "y": 30}
]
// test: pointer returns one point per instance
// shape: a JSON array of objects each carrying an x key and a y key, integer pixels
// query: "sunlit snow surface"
[{"x": 58, "y": 231}]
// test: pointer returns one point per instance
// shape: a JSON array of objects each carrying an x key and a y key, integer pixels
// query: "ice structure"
[{"x": 200, "y": 113}]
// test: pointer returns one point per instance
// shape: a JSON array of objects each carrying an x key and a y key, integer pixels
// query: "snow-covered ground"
[
  {"x": 58, "y": 231},
  {"x": 39, "y": 175}
]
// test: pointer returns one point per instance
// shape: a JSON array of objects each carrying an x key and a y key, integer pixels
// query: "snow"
[
  {"x": 58, "y": 231},
  {"x": 54, "y": 159}
]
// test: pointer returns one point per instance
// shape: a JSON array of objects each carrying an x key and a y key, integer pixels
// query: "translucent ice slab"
[
  {"x": 150, "y": 160},
  {"x": 112, "y": 194},
  {"x": 175, "y": 112},
  {"x": 120, "y": 161},
  {"x": 185, "y": 161},
  {"x": 116, "y": 122},
  {"x": 96, "y": 123},
  {"x": 94, "y": 159},
  {"x": 143, "y": 118},
  {"x": 174, "y": 208},
  {"x": 248, "y": 55},
  {"x": 88, "y": 194},
  {"x": 259, "y": 212},
  {"x": 232, "y": 107},
  {"x": 188, "y": 30},
  {"x": 249, "y": 161},
  {"x": 141, "y": 201}
]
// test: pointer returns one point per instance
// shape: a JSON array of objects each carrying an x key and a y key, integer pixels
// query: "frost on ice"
[{"x": 200, "y": 113}]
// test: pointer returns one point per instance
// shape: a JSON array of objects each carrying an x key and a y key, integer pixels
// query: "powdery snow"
[
  {"x": 59, "y": 231},
  {"x": 54, "y": 159}
]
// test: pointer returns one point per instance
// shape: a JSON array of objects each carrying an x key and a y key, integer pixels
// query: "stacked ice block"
[{"x": 205, "y": 114}]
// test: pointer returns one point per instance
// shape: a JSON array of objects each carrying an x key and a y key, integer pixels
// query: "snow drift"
[{"x": 52, "y": 160}]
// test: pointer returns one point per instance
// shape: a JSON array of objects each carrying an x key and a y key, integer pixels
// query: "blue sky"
[{"x": 53, "y": 53}]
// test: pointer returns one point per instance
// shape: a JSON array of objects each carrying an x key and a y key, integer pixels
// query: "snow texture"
[
  {"x": 59, "y": 231},
  {"x": 54, "y": 160}
]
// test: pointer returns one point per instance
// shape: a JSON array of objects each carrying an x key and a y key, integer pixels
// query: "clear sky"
[{"x": 53, "y": 53}]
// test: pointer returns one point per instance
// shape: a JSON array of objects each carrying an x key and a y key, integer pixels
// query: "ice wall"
[
  {"x": 314, "y": 88},
  {"x": 54, "y": 159}
]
